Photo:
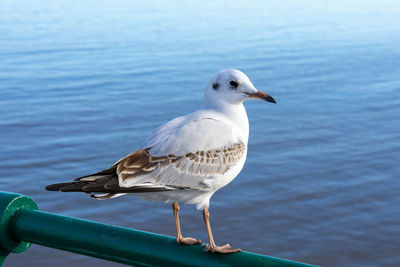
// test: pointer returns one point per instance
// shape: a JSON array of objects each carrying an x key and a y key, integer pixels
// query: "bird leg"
[
  {"x": 225, "y": 249},
  {"x": 179, "y": 238}
]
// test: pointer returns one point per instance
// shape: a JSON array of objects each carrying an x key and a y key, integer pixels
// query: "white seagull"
[{"x": 187, "y": 159}]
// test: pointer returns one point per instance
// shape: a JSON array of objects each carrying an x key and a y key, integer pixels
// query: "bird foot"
[
  {"x": 188, "y": 241},
  {"x": 225, "y": 249}
]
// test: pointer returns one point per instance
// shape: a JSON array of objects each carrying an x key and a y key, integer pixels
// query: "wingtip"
[
  {"x": 52, "y": 187},
  {"x": 63, "y": 187}
]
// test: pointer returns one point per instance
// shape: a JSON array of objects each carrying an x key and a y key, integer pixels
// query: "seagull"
[{"x": 187, "y": 159}]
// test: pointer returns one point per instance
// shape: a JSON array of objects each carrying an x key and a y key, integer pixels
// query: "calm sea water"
[{"x": 83, "y": 84}]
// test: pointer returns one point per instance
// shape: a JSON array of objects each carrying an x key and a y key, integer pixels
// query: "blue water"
[{"x": 83, "y": 84}]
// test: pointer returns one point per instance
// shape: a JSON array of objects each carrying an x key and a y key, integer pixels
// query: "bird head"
[{"x": 232, "y": 86}]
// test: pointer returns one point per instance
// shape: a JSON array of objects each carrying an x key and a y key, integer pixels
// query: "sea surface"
[{"x": 84, "y": 83}]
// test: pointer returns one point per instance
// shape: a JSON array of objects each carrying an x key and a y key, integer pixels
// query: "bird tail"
[
  {"x": 105, "y": 185},
  {"x": 105, "y": 182}
]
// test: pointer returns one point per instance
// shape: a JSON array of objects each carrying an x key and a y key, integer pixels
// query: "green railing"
[{"x": 21, "y": 223}]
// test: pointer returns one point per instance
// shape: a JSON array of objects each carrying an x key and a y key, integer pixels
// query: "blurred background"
[{"x": 84, "y": 83}]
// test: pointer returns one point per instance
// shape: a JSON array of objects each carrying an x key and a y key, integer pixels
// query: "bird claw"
[
  {"x": 225, "y": 249},
  {"x": 188, "y": 241}
]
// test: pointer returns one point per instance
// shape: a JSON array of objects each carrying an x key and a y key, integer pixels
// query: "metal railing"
[{"x": 21, "y": 223}]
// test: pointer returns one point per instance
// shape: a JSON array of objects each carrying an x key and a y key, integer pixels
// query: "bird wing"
[
  {"x": 199, "y": 131},
  {"x": 184, "y": 172},
  {"x": 181, "y": 154}
]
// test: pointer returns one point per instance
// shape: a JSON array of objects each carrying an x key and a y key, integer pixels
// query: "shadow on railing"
[{"x": 21, "y": 223}]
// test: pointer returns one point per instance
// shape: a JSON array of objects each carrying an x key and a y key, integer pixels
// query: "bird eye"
[{"x": 234, "y": 84}]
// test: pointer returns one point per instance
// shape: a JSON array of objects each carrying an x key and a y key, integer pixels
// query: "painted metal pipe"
[{"x": 120, "y": 244}]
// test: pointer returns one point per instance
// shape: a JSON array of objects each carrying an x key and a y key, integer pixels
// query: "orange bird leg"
[
  {"x": 225, "y": 249},
  {"x": 179, "y": 238}
]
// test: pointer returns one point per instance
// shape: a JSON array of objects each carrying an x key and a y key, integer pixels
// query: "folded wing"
[{"x": 179, "y": 155}]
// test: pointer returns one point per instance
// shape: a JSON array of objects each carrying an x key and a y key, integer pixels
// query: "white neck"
[{"x": 236, "y": 113}]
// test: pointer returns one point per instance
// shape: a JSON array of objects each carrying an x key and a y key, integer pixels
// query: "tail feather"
[
  {"x": 89, "y": 183},
  {"x": 87, "y": 186},
  {"x": 77, "y": 186},
  {"x": 105, "y": 196},
  {"x": 67, "y": 186},
  {"x": 104, "y": 173},
  {"x": 105, "y": 184}
]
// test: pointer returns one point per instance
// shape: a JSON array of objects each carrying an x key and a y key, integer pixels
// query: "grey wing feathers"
[
  {"x": 188, "y": 171},
  {"x": 212, "y": 162}
]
